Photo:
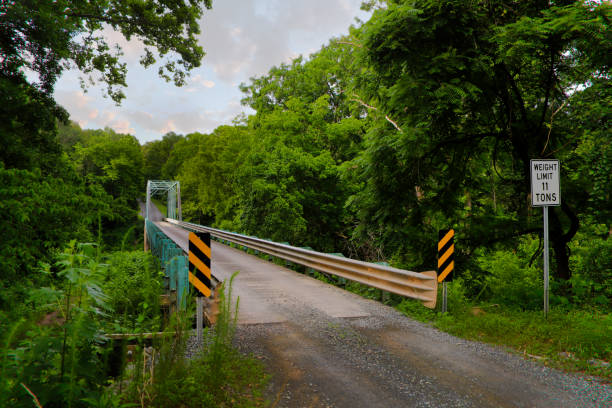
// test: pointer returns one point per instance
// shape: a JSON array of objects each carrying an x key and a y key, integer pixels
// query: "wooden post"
[{"x": 146, "y": 241}]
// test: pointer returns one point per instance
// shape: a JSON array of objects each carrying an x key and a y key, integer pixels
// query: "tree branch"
[
  {"x": 105, "y": 19},
  {"x": 460, "y": 140},
  {"x": 376, "y": 109},
  {"x": 548, "y": 89},
  {"x": 552, "y": 116},
  {"x": 349, "y": 43},
  {"x": 516, "y": 92},
  {"x": 472, "y": 242}
]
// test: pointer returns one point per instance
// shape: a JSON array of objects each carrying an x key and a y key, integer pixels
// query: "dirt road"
[{"x": 326, "y": 347}]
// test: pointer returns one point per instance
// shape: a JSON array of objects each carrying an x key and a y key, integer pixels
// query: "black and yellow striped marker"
[
  {"x": 446, "y": 257},
  {"x": 199, "y": 262}
]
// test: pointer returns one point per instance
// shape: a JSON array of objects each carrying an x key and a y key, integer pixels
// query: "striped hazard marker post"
[
  {"x": 446, "y": 260},
  {"x": 199, "y": 273}
]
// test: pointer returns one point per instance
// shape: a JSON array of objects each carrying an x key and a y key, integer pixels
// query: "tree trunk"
[{"x": 560, "y": 240}]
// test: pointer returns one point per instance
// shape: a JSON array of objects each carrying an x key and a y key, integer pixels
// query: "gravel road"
[{"x": 326, "y": 347}]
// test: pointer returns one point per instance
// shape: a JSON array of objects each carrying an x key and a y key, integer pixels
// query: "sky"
[{"x": 241, "y": 38}]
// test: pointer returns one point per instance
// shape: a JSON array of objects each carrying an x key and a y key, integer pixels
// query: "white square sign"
[{"x": 545, "y": 184}]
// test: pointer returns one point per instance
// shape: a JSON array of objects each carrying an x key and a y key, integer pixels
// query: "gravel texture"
[
  {"x": 326, "y": 347},
  {"x": 387, "y": 360}
]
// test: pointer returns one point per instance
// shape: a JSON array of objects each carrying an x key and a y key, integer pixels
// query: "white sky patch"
[
  {"x": 122, "y": 126},
  {"x": 108, "y": 117},
  {"x": 79, "y": 105},
  {"x": 132, "y": 50},
  {"x": 169, "y": 127},
  {"x": 206, "y": 83},
  {"x": 242, "y": 39}
]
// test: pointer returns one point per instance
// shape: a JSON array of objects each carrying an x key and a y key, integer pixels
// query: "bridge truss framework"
[{"x": 173, "y": 189}]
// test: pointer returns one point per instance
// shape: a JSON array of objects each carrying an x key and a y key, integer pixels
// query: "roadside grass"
[{"x": 573, "y": 340}]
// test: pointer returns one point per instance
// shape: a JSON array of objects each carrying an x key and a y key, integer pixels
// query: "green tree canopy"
[
  {"x": 43, "y": 38},
  {"x": 109, "y": 160},
  {"x": 156, "y": 154},
  {"x": 475, "y": 90},
  {"x": 47, "y": 37}
]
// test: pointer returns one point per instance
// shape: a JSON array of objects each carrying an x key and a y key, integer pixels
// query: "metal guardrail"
[
  {"x": 421, "y": 286},
  {"x": 172, "y": 259}
]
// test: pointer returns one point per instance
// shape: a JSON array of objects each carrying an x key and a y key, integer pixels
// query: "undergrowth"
[
  {"x": 217, "y": 376},
  {"x": 57, "y": 351}
]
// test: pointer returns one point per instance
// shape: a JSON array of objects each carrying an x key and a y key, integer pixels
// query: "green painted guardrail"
[{"x": 173, "y": 261}]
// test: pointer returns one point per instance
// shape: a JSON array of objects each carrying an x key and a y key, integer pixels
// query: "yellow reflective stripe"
[
  {"x": 447, "y": 237},
  {"x": 199, "y": 285},
  {"x": 201, "y": 245},
  {"x": 199, "y": 264},
  {"x": 446, "y": 255},
  {"x": 448, "y": 270}
]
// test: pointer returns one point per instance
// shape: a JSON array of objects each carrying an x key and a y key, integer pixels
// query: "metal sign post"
[
  {"x": 546, "y": 278},
  {"x": 199, "y": 319},
  {"x": 545, "y": 192},
  {"x": 444, "y": 296},
  {"x": 199, "y": 274}
]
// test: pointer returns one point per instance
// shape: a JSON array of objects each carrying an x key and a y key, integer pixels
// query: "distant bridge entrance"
[{"x": 173, "y": 191}]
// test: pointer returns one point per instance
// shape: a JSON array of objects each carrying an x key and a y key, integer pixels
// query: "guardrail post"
[
  {"x": 173, "y": 268},
  {"x": 182, "y": 286}
]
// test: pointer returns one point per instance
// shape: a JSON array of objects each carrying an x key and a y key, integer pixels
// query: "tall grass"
[{"x": 218, "y": 375}]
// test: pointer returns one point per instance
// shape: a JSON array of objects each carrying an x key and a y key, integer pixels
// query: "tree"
[
  {"x": 289, "y": 187},
  {"x": 38, "y": 214},
  {"x": 207, "y": 172},
  {"x": 47, "y": 37},
  {"x": 114, "y": 162},
  {"x": 307, "y": 125},
  {"x": 156, "y": 154},
  {"x": 43, "y": 38},
  {"x": 476, "y": 90},
  {"x": 28, "y": 126}
]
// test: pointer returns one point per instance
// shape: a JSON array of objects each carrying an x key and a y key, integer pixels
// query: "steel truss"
[{"x": 173, "y": 189}]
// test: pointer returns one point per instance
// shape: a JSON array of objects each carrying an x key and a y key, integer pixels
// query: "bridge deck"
[{"x": 264, "y": 287}]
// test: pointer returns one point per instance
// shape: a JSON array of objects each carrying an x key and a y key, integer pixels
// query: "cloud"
[
  {"x": 122, "y": 126},
  {"x": 242, "y": 39},
  {"x": 169, "y": 127},
  {"x": 78, "y": 104},
  {"x": 108, "y": 116},
  {"x": 132, "y": 50},
  {"x": 197, "y": 79},
  {"x": 246, "y": 38},
  {"x": 197, "y": 82}
]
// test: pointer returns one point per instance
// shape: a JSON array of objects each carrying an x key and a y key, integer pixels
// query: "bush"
[
  {"x": 134, "y": 284},
  {"x": 218, "y": 376},
  {"x": 591, "y": 282},
  {"x": 511, "y": 281},
  {"x": 59, "y": 357}
]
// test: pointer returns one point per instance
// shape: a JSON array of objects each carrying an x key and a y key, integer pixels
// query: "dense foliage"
[
  {"x": 422, "y": 118},
  {"x": 425, "y": 117},
  {"x": 49, "y": 192}
]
